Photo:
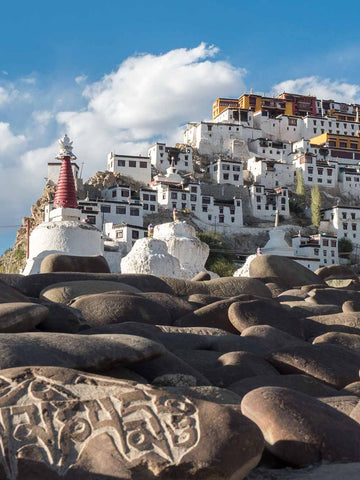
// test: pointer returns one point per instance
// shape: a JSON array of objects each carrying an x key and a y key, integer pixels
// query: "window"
[
  {"x": 221, "y": 218},
  {"x": 226, "y": 167},
  {"x": 353, "y": 146},
  {"x": 353, "y": 226},
  {"x": 258, "y": 189},
  {"x": 259, "y": 207},
  {"x": 333, "y": 243},
  {"x": 345, "y": 226},
  {"x": 343, "y": 144},
  {"x": 193, "y": 198},
  {"x": 204, "y": 208},
  {"x": 209, "y": 127},
  {"x": 282, "y": 207},
  {"x": 124, "y": 193},
  {"x": 183, "y": 206},
  {"x": 236, "y": 168},
  {"x": 186, "y": 157},
  {"x": 121, "y": 163},
  {"x": 316, "y": 251},
  {"x": 226, "y": 176},
  {"x": 146, "y": 196},
  {"x": 310, "y": 179},
  {"x": 119, "y": 234},
  {"x": 320, "y": 171},
  {"x": 135, "y": 234},
  {"x": 209, "y": 217},
  {"x": 206, "y": 200},
  {"x": 258, "y": 198},
  {"x": 105, "y": 208},
  {"x": 134, "y": 212},
  {"x": 143, "y": 164},
  {"x": 193, "y": 189},
  {"x": 343, "y": 214},
  {"x": 329, "y": 172},
  {"x": 326, "y": 243},
  {"x": 173, "y": 196},
  {"x": 310, "y": 170},
  {"x": 113, "y": 193},
  {"x": 236, "y": 178},
  {"x": 91, "y": 219},
  {"x": 353, "y": 216},
  {"x": 161, "y": 147},
  {"x": 145, "y": 206},
  {"x": 121, "y": 210},
  {"x": 193, "y": 208},
  {"x": 132, "y": 163}
]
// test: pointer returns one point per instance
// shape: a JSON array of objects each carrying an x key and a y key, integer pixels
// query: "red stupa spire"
[{"x": 65, "y": 196}]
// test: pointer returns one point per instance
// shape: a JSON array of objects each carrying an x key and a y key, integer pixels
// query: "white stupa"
[
  {"x": 65, "y": 232},
  {"x": 150, "y": 255},
  {"x": 183, "y": 244}
]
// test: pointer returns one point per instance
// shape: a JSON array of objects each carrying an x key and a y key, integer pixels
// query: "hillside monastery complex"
[{"x": 235, "y": 171}]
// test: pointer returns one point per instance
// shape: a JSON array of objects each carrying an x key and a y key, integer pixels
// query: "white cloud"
[
  {"x": 9, "y": 141},
  {"x": 81, "y": 79},
  {"x": 324, "y": 88},
  {"x": 147, "y": 97},
  {"x": 42, "y": 116}
]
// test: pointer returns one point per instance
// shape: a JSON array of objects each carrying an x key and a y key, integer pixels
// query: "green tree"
[
  {"x": 219, "y": 261},
  {"x": 300, "y": 187},
  {"x": 315, "y": 205},
  {"x": 345, "y": 245}
]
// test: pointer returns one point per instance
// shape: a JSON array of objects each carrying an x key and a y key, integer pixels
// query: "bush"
[{"x": 223, "y": 267}]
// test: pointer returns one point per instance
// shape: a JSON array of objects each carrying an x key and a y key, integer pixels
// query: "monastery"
[{"x": 229, "y": 173}]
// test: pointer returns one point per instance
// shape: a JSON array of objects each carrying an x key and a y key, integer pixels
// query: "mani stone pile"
[{"x": 128, "y": 376}]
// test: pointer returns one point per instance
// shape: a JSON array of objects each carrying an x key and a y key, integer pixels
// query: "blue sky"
[{"x": 117, "y": 75}]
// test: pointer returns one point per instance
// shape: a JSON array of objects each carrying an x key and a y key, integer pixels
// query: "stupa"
[{"x": 65, "y": 232}]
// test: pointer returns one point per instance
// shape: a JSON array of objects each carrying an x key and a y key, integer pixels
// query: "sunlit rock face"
[
  {"x": 150, "y": 255},
  {"x": 183, "y": 244}
]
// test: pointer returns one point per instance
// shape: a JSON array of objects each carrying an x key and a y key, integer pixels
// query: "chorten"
[{"x": 65, "y": 232}]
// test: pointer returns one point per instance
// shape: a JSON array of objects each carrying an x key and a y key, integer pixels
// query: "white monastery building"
[
  {"x": 162, "y": 157},
  {"x": 226, "y": 171},
  {"x": 270, "y": 173},
  {"x": 137, "y": 167}
]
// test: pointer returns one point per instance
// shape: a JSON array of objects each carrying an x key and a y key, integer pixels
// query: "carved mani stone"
[{"x": 64, "y": 424}]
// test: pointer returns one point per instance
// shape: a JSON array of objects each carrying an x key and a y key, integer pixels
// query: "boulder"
[
  {"x": 304, "y": 309},
  {"x": 67, "y": 291},
  {"x": 342, "y": 403},
  {"x": 8, "y": 294},
  {"x": 21, "y": 317},
  {"x": 281, "y": 270},
  {"x": 275, "y": 289},
  {"x": 222, "y": 396},
  {"x": 351, "y": 306},
  {"x": 308, "y": 288},
  {"x": 270, "y": 338},
  {"x": 203, "y": 299},
  {"x": 301, "y": 383},
  {"x": 62, "y": 318},
  {"x": 118, "y": 307},
  {"x": 352, "y": 389},
  {"x": 176, "y": 306},
  {"x": 332, "y": 296},
  {"x": 338, "y": 322},
  {"x": 99, "y": 427},
  {"x": 294, "y": 294},
  {"x": 92, "y": 352},
  {"x": 336, "y": 271},
  {"x": 349, "y": 341},
  {"x": 300, "y": 429},
  {"x": 201, "y": 276},
  {"x": 329, "y": 363},
  {"x": 32, "y": 285},
  {"x": 261, "y": 312},
  {"x": 222, "y": 287},
  {"x": 214, "y": 315},
  {"x": 57, "y": 262}
]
